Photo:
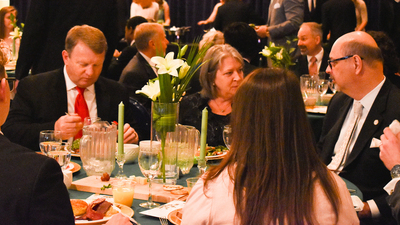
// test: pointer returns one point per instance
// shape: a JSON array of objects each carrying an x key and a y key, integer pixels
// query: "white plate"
[
  {"x": 215, "y": 157},
  {"x": 122, "y": 208},
  {"x": 317, "y": 109}
]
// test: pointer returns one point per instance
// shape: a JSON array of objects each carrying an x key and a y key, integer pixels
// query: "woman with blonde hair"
[{"x": 272, "y": 174}]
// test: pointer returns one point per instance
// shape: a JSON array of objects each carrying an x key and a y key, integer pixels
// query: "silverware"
[
  {"x": 352, "y": 191},
  {"x": 163, "y": 221}
]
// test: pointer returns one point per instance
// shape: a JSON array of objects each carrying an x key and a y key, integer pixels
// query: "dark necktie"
[{"x": 81, "y": 108}]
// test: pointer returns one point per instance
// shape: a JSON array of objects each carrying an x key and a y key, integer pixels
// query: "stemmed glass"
[
  {"x": 120, "y": 158},
  {"x": 227, "y": 135},
  {"x": 150, "y": 159},
  {"x": 332, "y": 86},
  {"x": 61, "y": 153},
  {"x": 49, "y": 139}
]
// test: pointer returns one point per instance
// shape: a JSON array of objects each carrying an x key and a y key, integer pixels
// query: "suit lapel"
[
  {"x": 371, "y": 124},
  {"x": 60, "y": 106},
  {"x": 102, "y": 98},
  {"x": 147, "y": 67}
]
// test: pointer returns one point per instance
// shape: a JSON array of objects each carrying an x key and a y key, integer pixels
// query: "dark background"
[{"x": 189, "y": 12}]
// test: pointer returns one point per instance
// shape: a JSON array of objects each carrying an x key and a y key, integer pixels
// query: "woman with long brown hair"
[
  {"x": 5, "y": 23},
  {"x": 272, "y": 174}
]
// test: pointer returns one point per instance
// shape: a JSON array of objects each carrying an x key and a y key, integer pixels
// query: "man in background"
[{"x": 61, "y": 99}]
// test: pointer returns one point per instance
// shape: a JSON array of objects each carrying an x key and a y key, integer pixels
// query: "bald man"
[{"x": 356, "y": 66}]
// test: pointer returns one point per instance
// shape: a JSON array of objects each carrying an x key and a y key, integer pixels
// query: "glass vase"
[{"x": 164, "y": 119}]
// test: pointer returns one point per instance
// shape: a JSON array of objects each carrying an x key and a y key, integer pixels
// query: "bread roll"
[{"x": 78, "y": 207}]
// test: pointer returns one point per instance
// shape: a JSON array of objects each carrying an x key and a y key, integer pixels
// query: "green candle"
[
  {"x": 203, "y": 139},
  {"x": 121, "y": 108}
]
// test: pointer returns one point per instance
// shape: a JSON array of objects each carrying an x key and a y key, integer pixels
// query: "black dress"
[{"x": 190, "y": 113}]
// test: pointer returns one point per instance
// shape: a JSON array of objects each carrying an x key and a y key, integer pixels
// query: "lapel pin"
[{"x": 376, "y": 122}]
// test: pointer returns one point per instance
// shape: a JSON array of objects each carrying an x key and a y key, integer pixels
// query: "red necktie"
[
  {"x": 312, "y": 69},
  {"x": 81, "y": 108}
]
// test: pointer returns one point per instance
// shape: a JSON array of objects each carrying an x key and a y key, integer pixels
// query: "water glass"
[
  {"x": 191, "y": 182},
  {"x": 49, "y": 139},
  {"x": 227, "y": 135},
  {"x": 123, "y": 192},
  {"x": 61, "y": 153}
]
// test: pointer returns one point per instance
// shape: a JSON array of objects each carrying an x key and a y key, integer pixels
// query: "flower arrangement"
[
  {"x": 16, "y": 34},
  {"x": 173, "y": 78},
  {"x": 280, "y": 55}
]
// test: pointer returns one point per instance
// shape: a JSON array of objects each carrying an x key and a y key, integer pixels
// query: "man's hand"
[
  {"x": 365, "y": 213},
  {"x": 262, "y": 31},
  {"x": 69, "y": 125},
  {"x": 130, "y": 135},
  {"x": 390, "y": 148}
]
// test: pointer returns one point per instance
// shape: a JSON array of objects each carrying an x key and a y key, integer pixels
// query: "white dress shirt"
[{"x": 318, "y": 57}]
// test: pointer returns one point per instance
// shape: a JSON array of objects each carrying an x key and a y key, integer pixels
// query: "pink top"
[{"x": 218, "y": 207}]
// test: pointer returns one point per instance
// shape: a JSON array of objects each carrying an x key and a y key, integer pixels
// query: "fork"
[{"x": 163, "y": 221}]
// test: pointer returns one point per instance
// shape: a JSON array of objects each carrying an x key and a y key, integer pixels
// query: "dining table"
[{"x": 129, "y": 170}]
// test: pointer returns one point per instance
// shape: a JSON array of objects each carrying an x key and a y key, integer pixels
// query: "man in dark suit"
[
  {"x": 118, "y": 63},
  {"x": 312, "y": 10},
  {"x": 338, "y": 18},
  {"x": 42, "y": 101},
  {"x": 150, "y": 41},
  {"x": 47, "y": 25},
  {"x": 32, "y": 189},
  {"x": 235, "y": 11},
  {"x": 310, "y": 45},
  {"x": 356, "y": 66}
]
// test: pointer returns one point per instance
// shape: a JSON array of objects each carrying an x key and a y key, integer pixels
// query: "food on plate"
[
  {"x": 105, "y": 177},
  {"x": 98, "y": 209},
  {"x": 213, "y": 151},
  {"x": 78, "y": 206},
  {"x": 180, "y": 192},
  {"x": 75, "y": 146},
  {"x": 170, "y": 187},
  {"x": 138, "y": 179}
]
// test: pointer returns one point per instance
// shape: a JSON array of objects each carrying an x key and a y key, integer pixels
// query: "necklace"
[{"x": 218, "y": 106}]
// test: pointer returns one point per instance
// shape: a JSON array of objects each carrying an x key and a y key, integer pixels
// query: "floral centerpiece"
[
  {"x": 168, "y": 88},
  {"x": 280, "y": 55},
  {"x": 16, "y": 34}
]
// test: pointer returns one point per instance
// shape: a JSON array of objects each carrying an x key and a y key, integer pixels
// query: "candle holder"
[
  {"x": 120, "y": 158},
  {"x": 202, "y": 165}
]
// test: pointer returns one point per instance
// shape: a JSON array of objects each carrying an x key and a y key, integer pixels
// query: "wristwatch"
[{"x": 395, "y": 172}]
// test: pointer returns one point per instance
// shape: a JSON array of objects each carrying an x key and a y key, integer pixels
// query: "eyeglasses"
[
  {"x": 330, "y": 61},
  {"x": 11, "y": 82}
]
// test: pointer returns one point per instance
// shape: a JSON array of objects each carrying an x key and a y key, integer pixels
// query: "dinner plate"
[
  {"x": 173, "y": 218},
  {"x": 215, "y": 157},
  {"x": 75, "y": 154},
  {"x": 317, "y": 109},
  {"x": 73, "y": 167},
  {"x": 124, "y": 210}
]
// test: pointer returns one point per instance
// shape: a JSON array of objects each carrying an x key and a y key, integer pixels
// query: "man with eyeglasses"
[{"x": 367, "y": 103}]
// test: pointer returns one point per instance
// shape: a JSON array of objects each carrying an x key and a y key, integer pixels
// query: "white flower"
[
  {"x": 167, "y": 65},
  {"x": 266, "y": 52},
  {"x": 183, "y": 70},
  {"x": 279, "y": 55},
  {"x": 272, "y": 44},
  {"x": 152, "y": 90},
  {"x": 16, "y": 33}
]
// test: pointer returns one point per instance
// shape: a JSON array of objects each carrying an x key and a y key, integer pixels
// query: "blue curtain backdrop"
[{"x": 188, "y": 12}]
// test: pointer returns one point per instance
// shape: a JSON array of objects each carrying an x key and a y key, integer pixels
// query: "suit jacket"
[
  {"x": 135, "y": 75},
  {"x": 118, "y": 64},
  {"x": 32, "y": 189},
  {"x": 315, "y": 15},
  {"x": 363, "y": 166},
  {"x": 235, "y": 11},
  {"x": 47, "y": 25},
  {"x": 338, "y": 17},
  {"x": 284, "y": 19},
  {"x": 394, "y": 202},
  {"x": 42, "y": 99},
  {"x": 301, "y": 66}
]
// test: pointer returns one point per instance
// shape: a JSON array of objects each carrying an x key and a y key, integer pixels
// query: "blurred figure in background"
[
  {"x": 163, "y": 13},
  {"x": 361, "y": 15},
  {"x": 6, "y": 26},
  {"x": 220, "y": 77},
  {"x": 213, "y": 14},
  {"x": 272, "y": 174},
  {"x": 145, "y": 8},
  {"x": 244, "y": 38}
]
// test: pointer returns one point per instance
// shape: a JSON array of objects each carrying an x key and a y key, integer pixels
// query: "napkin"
[
  {"x": 164, "y": 210},
  {"x": 389, "y": 188},
  {"x": 394, "y": 127},
  {"x": 67, "y": 178},
  {"x": 357, "y": 203}
]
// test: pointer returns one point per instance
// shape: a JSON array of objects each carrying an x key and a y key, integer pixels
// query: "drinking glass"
[
  {"x": 120, "y": 158},
  {"x": 187, "y": 138},
  {"x": 227, "y": 135},
  {"x": 49, "y": 139},
  {"x": 332, "y": 86},
  {"x": 61, "y": 153},
  {"x": 309, "y": 88},
  {"x": 150, "y": 160}
]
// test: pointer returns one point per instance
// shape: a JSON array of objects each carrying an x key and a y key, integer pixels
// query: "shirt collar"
[
  {"x": 71, "y": 85},
  {"x": 317, "y": 56},
  {"x": 369, "y": 98}
]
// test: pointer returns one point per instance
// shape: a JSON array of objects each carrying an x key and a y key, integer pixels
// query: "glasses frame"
[
  {"x": 330, "y": 61},
  {"x": 12, "y": 79}
]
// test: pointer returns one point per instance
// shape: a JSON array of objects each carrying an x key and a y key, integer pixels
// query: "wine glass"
[
  {"x": 150, "y": 160},
  {"x": 61, "y": 153},
  {"x": 49, "y": 139},
  {"x": 120, "y": 158},
  {"x": 227, "y": 135},
  {"x": 332, "y": 86},
  {"x": 322, "y": 87}
]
